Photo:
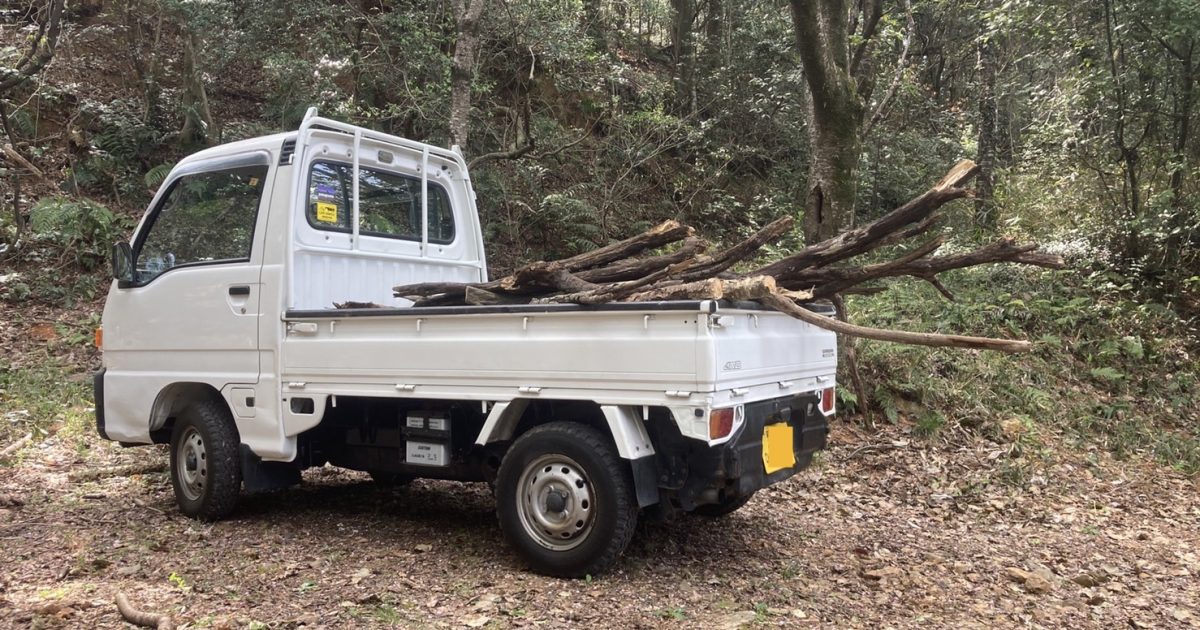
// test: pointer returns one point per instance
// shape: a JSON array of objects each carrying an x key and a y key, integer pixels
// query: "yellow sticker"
[{"x": 327, "y": 212}]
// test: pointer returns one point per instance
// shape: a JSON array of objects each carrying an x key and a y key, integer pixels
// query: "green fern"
[{"x": 157, "y": 175}]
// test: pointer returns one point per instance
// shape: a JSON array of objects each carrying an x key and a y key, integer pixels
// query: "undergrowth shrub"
[
  {"x": 1105, "y": 367},
  {"x": 84, "y": 230}
]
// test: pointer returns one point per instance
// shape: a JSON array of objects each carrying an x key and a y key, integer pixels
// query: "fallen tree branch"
[
  {"x": 16, "y": 446},
  {"x": 619, "y": 273},
  {"x": 743, "y": 250},
  {"x": 865, "y": 238},
  {"x": 14, "y": 155},
  {"x": 657, "y": 236},
  {"x": 92, "y": 474},
  {"x": 936, "y": 340},
  {"x": 141, "y": 618},
  {"x": 634, "y": 268},
  {"x": 832, "y": 281}
]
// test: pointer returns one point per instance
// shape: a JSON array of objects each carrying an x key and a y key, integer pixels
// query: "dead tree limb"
[
  {"x": 92, "y": 474},
  {"x": 634, "y": 268},
  {"x": 862, "y": 239},
  {"x": 832, "y": 281},
  {"x": 622, "y": 272},
  {"x": 41, "y": 49},
  {"x": 662, "y": 234},
  {"x": 16, "y": 446},
  {"x": 849, "y": 349},
  {"x": 936, "y": 340},
  {"x": 743, "y": 250},
  {"x": 141, "y": 618}
]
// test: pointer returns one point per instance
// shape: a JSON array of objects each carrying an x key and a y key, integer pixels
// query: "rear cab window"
[{"x": 389, "y": 204}]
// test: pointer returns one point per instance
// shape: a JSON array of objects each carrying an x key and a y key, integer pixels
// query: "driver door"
[{"x": 191, "y": 312}]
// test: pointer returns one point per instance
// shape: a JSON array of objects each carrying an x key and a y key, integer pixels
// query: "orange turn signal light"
[
  {"x": 99, "y": 339},
  {"x": 720, "y": 423}
]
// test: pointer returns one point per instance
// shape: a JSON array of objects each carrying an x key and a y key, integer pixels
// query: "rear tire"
[
  {"x": 206, "y": 468},
  {"x": 724, "y": 508},
  {"x": 565, "y": 500}
]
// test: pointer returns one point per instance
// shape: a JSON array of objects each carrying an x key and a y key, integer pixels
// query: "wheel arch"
[
  {"x": 622, "y": 424},
  {"x": 173, "y": 400}
]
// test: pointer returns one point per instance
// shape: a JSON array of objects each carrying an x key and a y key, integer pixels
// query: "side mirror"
[{"x": 122, "y": 263}]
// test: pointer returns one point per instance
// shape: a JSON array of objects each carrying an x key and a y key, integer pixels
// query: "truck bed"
[{"x": 622, "y": 353}]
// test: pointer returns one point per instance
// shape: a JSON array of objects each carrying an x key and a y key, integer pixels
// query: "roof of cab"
[{"x": 271, "y": 142}]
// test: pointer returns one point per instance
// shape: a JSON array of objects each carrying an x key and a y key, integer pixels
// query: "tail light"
[
  {"x": 720, "y": 423},
  {"x": 827, "y": 400}
]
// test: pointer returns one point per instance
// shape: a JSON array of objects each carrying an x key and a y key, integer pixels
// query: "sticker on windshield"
[{"x": 327, "y": 212}]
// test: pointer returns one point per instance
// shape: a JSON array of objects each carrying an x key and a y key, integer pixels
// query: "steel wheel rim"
[
  {"x": 191, "y": 464},
  {"x": 555, "y": 502}
]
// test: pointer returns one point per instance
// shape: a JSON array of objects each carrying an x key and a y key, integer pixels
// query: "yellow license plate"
[{"x": 778, "y": 447}]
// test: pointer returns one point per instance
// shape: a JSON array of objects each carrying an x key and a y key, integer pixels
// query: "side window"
[
  {"x": 389, "y": 204},
  {"x": 204, "y": 218}
]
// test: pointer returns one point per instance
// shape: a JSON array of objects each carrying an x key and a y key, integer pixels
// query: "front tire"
[
  {"x": 565, "y": 500},
  {"x": 206, "y": 470}
]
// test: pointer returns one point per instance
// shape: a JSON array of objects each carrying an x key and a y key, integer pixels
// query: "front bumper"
[{"x": 709, "y": 475}]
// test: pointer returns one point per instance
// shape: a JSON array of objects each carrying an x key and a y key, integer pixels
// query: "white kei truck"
[{"x": 220, "y": 338}]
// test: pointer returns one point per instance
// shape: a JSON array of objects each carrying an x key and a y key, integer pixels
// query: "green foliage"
[
  {"x": 83, "y": 229},
  {"x": 1105, "y": 368},
  {"x": 157, "y": 175},
  {"x": 37, "y": 396},
  {"x": 124, "y": 147}
]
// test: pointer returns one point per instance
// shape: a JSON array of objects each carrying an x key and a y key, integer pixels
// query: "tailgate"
[{"x": 758, "y": 347}]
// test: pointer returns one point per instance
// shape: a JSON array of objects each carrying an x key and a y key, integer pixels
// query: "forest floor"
[{"x": 884, "y": 531}]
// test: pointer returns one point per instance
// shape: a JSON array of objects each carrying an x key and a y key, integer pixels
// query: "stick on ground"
[
  {"x": 16, "y": 446},
  {"x": 92, "y": 474},
  {"x": 141, "y": 618}
]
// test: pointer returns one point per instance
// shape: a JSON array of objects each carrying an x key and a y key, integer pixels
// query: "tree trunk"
[
  {"x": 985, "y": 182},
  {"x": 1179, "y": 231},
  {"x": 198, "y": 124},
  {"x": 822, "y": 36},
  {"x": 462, "y": 73},
  {"x": 18, "y": 218},
  {"x": 593, "y": 23},
  {"x": 683, "y": 49}
]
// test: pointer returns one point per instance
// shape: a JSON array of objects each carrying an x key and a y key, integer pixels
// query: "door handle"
[{"x": 240, "y": 290}]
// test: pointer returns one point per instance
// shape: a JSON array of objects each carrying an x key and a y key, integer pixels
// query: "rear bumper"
[
  {"x": 98, "y": 396},
  {"x": 736, "y": 469}
]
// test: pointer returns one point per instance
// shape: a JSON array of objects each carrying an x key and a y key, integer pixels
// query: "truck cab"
[{"x": 222, "y": 338}]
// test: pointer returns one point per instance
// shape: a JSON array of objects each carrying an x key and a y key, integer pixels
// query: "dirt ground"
[{"x": 885, "y": 531}]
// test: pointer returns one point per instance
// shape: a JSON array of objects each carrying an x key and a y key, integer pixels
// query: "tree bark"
[
  {"x": 684, "y": 54},
  {"x": 462, "y": 72},
  {"x": 822, "y": 37},
  {"x": 985, "y": 181},
  {"x": 937, "y": 340},
  {"x": 41, "y": 49},
  {"x": 1180, "y": 232},
  {"x": 198, "y": 124},
  {"x": 864, "y": 238}
]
